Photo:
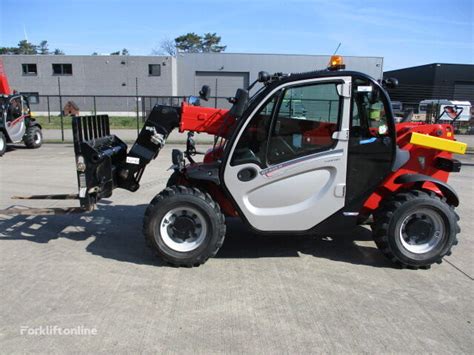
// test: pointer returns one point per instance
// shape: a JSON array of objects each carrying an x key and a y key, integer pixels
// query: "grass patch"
[{"x": 115, "y": 122}]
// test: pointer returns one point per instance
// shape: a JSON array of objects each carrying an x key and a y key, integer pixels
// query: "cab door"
[
  {"x": 287, "y": 166},
  {"x": 15, "y": 122}
]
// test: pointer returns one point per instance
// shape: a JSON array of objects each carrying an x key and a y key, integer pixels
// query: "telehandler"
[
  {"x": 16, "y": 121},
  {"x": 17, "y": 124},
  {"x": 308, "y": 153}
]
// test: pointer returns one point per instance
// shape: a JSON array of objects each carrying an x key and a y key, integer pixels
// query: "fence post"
[
  {"x": 138, "y": 115},
  {"x": 61, "y": 110},
  {"x": 49, "y": 111}
]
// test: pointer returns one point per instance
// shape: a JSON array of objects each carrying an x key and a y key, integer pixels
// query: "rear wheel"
[
  {"x": 184, "y": 226},
  {"x": 415, "y": 229},
  {"x": 33, "y": 137},
  {"x": 3, "y": 144}
]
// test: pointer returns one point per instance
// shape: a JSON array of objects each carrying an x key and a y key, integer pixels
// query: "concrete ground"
[{"x": 272, "y": 294}]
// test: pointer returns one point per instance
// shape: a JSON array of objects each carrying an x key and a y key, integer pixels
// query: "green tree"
[
  {"x": 9, "y": 50},
  {"x": 43, "y": 47},
  {"x": 125, "y": 52},
  {"x": 25, "y": 47},
  {"x": 190, "y": 42},
  {"x": 115, "y": 53},
  {"x": 193, "y": 43},
  {"x": 210, "y": 43}
]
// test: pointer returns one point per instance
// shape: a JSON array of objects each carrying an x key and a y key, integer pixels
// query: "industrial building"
[
  {"x": 136, "y": 77},
  {"x": 433, "y": 81}
]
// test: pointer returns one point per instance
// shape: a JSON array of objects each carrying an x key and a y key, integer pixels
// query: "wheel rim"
[
  {"x": 422, "y": 231},
  {"x": 183, "y": 229},
  {"x": 2, "y": 144},
  {"x": 37, "y": 138}
]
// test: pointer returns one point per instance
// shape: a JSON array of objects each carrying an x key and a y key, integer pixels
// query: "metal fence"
[
  {"x": 55, "y": 110},
  {"x": 131, "y": 111}
]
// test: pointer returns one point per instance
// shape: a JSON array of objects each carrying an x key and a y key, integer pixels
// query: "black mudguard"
[
  {"x": 419, "y": 179},
  {"x": 33, "y": 123}
]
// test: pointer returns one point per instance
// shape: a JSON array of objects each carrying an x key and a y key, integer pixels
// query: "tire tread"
[
  {"x": 384, "y": 214},
  {"x": 172, "y": 191}
]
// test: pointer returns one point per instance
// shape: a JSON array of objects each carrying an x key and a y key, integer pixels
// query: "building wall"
[
  {"x": 181, "y": 76},
  {"x": 448, "y": 77},
  {"x": 92, "y": 75},
  {"x": 433, "y": 81},
  {"x": 192, "y": 64}
]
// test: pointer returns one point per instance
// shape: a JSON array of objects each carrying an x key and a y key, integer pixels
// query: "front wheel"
[
  {"x": 184, "y": 226},
  {"x": 415, "y": 229},
  {"x": 33, "y": 137},
  {"x": 3, "y": 144}
]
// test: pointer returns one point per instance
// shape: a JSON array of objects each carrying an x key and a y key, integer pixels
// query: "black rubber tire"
[
  {"x": 3, "y": 144},
  {"x": 31, "y": 135},
  {"x": 387, "y": 223},
  {"x": 176, "y": 196}
]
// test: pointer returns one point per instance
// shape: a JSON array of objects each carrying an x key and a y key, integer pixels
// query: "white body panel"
[
  {"x": 297, "y": 194},
  {"x": 16, "y": 131}
]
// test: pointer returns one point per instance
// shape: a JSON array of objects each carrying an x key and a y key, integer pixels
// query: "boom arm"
[
  {"x": 102, "y": 161},
  {"x": 4, "y": 86}
]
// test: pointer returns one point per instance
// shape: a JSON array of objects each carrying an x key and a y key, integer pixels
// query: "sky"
[{"x": 405, "y": 32}]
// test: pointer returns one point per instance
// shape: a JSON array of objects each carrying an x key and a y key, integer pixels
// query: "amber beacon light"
[{"x": 336, "y": 63}]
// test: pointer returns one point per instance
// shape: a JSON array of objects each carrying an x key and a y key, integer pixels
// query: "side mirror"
[
  {"x": 390, "y": 83},
  {"x": 205, "y": 92},
  {"x": 263, "y": 77},
  {"x": 240, "y": 103}
]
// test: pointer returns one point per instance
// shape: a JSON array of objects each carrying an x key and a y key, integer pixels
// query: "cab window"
[
  {"x": 294, "y": 122},
  {"x": 251, "y": 147},
  {"x": 305, "y": 122},
  {"x": 15, "y": 108},
  {"x": 369, "y": 114}
]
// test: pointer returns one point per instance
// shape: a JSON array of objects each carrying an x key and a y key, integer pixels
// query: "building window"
[
  {"x": 29, "y": 69},
  {"x": 154, "y": 69},
  {"x": 62, "y": 69}
]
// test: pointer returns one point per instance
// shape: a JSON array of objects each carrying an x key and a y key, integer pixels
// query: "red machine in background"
[
  {"x": 4, "y": 86},
  {"x": 16, "y": 121}
]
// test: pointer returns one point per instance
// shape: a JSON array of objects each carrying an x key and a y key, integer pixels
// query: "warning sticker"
[
  {"x": 364, "y": 88},
  {"x": 133, "y": 160}
]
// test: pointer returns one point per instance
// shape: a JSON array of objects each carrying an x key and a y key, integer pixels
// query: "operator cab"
[{"x": 304, "y": 139}]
